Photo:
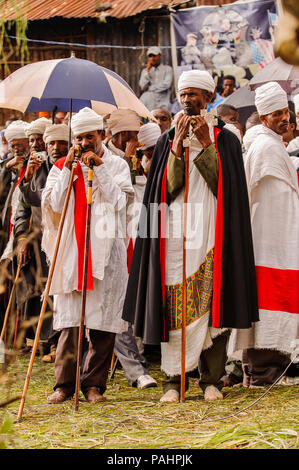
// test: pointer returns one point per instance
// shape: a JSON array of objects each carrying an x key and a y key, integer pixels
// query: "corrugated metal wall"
[{"x": 133, "y": 31}]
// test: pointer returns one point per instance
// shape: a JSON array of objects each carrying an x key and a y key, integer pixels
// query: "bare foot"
[
  {"x": 212, "y": 393},
  {"x": 171, "y": 396}
]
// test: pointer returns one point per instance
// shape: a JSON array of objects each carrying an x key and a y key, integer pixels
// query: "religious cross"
[{"x": 209, "y": 117}]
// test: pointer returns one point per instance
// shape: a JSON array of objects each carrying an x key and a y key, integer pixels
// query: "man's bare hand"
[
  {"x": 23, "y": 253},
  {"x": 181, "y": 131},
  {"x": 201, "y": 130},
  {"x": 91, "y": 158},
  {"x": 16, "y": 162},
  {"x": 32, "y": 165},
  {"x": 131, "y": 147}
]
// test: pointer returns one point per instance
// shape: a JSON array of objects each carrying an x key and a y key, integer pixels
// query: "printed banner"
[{"x": 235, "y": 39}]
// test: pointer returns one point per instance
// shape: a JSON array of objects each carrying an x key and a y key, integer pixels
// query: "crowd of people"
[{"x": 236, "y": 257}]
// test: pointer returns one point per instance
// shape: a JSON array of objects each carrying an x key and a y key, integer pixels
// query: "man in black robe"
[{"x": 222, "y": 289}]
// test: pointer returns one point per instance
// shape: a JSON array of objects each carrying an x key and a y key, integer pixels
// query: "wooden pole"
[
  {"x": 84, "y": 287},
  {"x": 10, "y": 302},
  {"x": 47, "y": 289},
  {"x": 184, "y": 293}
]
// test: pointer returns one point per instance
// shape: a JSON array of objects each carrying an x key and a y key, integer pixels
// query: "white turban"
[
  {"x": 56, "y": 132},
  {"x": 16, "y": 130},
  {"x": 270, "y": 97},
  {"x": 38, "y": 126},
  {"x": 196, "y": 79},
  {"x": 123, "y": 120},
  {"x": 86, "y": 120},
  {"x": 148, "y": 135},
  {"x": 296, "y": 103}
]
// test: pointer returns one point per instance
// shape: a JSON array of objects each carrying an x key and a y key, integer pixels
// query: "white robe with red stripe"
[
  {"x": 111, "y": 190},
  {"x": 274, "y": 204}
]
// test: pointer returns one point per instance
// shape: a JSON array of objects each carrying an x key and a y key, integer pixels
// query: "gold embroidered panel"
[{"x": 199, "y": 295}]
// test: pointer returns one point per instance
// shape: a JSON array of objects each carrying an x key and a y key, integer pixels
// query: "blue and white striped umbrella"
[{"x": 49, "y": 84}]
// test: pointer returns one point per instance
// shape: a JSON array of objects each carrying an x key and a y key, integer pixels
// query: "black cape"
[{"x": 143, "y": 304}]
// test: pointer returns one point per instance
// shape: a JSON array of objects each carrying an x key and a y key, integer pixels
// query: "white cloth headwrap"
[
  {"x": 123, "y": 120},
  {"x": 148, "y": 135},
  {"x": 196, "y": 79},
  {"x": 296, "y": 103},
  {"x": 56, "y": 132},
  {"x": 38, "y": 126},
  {"x": 86, "y": 120},
  {"x": 16, "y": 130},
  {"x": 270, "y": 97}
]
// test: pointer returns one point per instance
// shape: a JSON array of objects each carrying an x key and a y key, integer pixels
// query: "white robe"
[
  {"x": 274, "y": 204},
  {"x": 200, "y": 240},
  {"x": 111, "y": 188}
]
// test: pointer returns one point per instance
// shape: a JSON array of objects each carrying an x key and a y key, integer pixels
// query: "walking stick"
[
  {"x": 84, "y": 285},
  {"x": 48, "y": 284},
  {"x": 186, "y": 145},
  {"x": 10, "y": 302}
]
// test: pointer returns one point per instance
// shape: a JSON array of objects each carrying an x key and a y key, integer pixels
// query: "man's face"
[
  {"x": 228, "y": 87},
  {"x": 149, "y": 152},
  {"x": 155, "y": 60},
  {"x": 163, "y": 118},
  {"x": 57, "y": 149},
  {"x": 36, "y": 143},
  {"x": 90, "y": 141},
  {"x": 19, "y": 147},
  {"x": 193, "y": 100},
  {"x": 59, "y": 117},
  {"x": 278, "y": 121},
  {"x": 231, "y": 117}
]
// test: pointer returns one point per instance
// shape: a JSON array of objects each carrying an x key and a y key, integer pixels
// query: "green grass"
[{"x": 135, "y": 419}]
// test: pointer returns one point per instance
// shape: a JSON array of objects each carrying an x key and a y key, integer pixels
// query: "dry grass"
[{"x": 135, "y": 419}]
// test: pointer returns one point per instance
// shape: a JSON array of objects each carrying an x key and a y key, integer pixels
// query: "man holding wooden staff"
[
  {"x": 213, "y": 247},
  {"x": 107, "y": 267}
]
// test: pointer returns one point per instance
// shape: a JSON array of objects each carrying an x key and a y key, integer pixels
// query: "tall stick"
[
  {"x": 47, "y": 289},
  {"x": 84, "y": 287},
  {"x": 184, "y": 293},
  {"x": 10, "y": 302}
]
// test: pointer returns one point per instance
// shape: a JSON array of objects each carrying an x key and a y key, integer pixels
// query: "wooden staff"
[
  {"x": 10, "y": 302},
  {"x": 47, "y": 288},
  {"x": 84, "y": 285},
  {"x": 186, "y": 145}
]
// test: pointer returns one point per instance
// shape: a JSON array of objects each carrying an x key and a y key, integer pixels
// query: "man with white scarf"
[
  {"x": 274, "y": 203},
  {"x": 107, "y": 274},
  {"x": 47, "y": 143},
  {"x": 219, "y": 257}
]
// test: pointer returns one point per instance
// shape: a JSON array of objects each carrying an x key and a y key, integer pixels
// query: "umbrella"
[
  {"x": 68, "y": 84},
  {"x": 279, "y": 71}
]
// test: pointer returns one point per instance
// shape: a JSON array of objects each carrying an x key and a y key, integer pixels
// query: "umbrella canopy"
[
  {"x": 59, "y": 83},
  {"x": 279, "y": 71}
]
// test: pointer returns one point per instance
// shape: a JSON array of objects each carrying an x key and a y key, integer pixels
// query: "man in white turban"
[
  {"x": 124, "y": 125},
  {"x": 43, "y": 154},
  {"x": 274, "y": 203},
  {"x": 147, "y": 137},
  {"x": 219, "y": 257},
  {"x": 107, "y": 268}
]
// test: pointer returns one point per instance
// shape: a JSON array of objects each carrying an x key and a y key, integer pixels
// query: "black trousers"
[
  {"x": 96, "y": 362},
  {"x": 211, "y": 366}
]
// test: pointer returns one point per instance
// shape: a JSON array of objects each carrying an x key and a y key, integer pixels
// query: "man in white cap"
[
  {"x": 107, "y": 268},
  {"x": 274, "y": 203},
  {"x": 124, "y": 125},
  {"x": 219, "y": 257},
  {"x": 147, "y": 137},
  {"x": 155, "y": 81},
  {"x": 47, "y": 144},
  {"x": 10, "y": 177}
]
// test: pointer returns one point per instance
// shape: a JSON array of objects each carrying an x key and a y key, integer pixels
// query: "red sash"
[{"x": 80, "y": 224}]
